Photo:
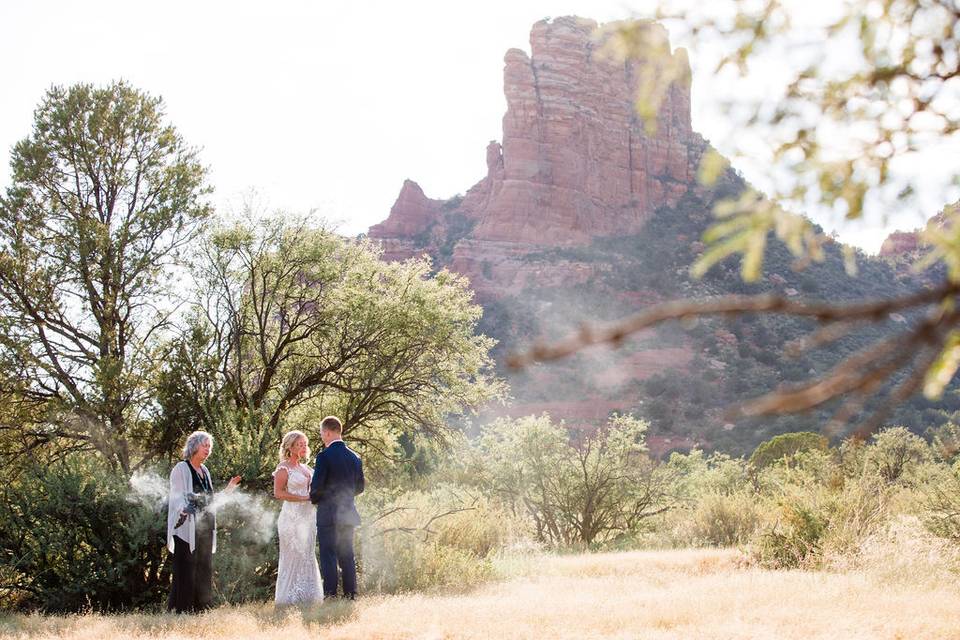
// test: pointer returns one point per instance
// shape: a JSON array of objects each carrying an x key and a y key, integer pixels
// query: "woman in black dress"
[{"x": 192, "y": 526}]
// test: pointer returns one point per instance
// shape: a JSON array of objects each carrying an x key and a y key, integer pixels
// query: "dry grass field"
[{"x": 654, "y": 594}]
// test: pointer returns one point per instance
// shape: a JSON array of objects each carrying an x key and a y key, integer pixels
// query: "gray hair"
[{"x": 194, "y": 440}]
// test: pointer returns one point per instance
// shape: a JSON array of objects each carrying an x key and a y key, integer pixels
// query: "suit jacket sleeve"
[
  {"x": 358, "y": 489},
  {"x": 319, "y": 480}
]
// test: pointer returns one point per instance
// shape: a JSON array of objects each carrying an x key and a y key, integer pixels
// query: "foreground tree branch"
[{"x": 916, "y": 350}]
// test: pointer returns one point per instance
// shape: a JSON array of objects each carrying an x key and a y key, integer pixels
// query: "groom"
[{"x": 337, "y": 478}]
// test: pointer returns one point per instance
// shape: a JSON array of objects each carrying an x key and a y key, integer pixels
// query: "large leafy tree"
[
  {"x": 294, "y": 322},
  {"x": 105, "y": 195}
]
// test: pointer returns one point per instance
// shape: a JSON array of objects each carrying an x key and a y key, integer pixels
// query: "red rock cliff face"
[
  {"x": 575, "y": 162},
  {"x": 411, "y": 218},
  {"x": 906, "y": 243}
]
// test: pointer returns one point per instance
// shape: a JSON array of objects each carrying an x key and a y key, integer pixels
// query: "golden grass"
[{"x": 654, "y": 594}]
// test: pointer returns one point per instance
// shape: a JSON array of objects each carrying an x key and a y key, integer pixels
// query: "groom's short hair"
[{"x": 332, "y": 423}]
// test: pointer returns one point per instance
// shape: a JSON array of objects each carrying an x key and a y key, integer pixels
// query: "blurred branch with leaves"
[{"x": 861, "y": 90}]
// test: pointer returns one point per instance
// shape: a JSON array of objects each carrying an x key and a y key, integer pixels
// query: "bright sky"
[{"x": 314, "y": 104}]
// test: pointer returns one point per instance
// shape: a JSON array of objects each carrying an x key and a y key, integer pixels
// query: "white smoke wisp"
[
  {"x": 256, "y": 517},
  {"x": 259, "y": 521},
  {"x": 149, "y": 489}
]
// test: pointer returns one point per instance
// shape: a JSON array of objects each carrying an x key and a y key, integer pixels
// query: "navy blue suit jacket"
[{"x": 337, "y": 478}]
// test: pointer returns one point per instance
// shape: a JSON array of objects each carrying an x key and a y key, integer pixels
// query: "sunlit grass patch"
[{"x": 699, "y": 593}]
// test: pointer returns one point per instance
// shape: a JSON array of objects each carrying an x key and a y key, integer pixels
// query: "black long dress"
[{"x": 192, "y": 587}]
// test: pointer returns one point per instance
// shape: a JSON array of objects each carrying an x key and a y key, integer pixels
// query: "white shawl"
[{"x": 181, "y": 483}]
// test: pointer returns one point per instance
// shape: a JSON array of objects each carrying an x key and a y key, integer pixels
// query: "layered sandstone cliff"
[{"x": 575, "y": 163}]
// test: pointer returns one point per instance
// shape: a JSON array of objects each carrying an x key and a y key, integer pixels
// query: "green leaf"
[
  {"x": 712, "y": 166},
  {"x": 939, "y": 375}
]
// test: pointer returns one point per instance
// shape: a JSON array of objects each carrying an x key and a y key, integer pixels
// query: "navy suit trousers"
[{"x": 336, "y": 548}]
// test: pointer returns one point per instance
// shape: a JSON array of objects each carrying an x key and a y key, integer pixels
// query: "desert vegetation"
[{"x": 131, "y": 315}]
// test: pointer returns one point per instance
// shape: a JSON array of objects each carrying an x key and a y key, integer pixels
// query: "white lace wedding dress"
[{"x": 298, "y": 575}]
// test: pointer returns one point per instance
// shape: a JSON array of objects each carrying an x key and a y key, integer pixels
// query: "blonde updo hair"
[{"x": 288, "y": 440}]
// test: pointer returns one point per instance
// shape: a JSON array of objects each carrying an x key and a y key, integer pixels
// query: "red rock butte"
[{"x": 575, "y": 162}]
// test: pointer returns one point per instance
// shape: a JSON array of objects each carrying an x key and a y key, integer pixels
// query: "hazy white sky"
[{"x": 322, "y": 104}]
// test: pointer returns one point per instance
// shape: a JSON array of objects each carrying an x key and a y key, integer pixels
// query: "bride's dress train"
[{"x": 298, "y": 574}]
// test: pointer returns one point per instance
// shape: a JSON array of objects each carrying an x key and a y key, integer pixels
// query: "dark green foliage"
[
  {"x": 73, "y": 538},
  {"x": 785, "y": 446}
]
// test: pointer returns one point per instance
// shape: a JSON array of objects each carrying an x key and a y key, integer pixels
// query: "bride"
[{"x": 298, "y": 575}]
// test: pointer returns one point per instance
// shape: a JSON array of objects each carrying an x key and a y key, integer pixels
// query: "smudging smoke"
[{"x": 150, "y": 490}]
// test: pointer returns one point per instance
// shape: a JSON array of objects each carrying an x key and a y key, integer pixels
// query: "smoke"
[
  {"x": 250, "y": 515},
  {"x": 149, "y": 489},
  {"x": 585, "y": 387}
]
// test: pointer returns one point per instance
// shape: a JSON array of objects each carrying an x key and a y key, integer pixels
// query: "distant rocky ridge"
[
  {"x": 909, "y": 243},
  {"x": 584, "y": 216},
  {"x": 575, "y": 163}
]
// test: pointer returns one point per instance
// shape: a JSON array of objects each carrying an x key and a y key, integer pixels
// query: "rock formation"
[
  {"x": 900, "y": 243},
  {"x": 586, "y": 215},
  {"x": 906, "y": 243},
  {"x": 575, "y": 163}
]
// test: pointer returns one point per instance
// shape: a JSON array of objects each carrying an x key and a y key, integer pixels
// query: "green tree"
[
  {"x": 105, "y": 196},
  {"x": 592, "y": 487},
  {"x": 785, "y": 446},
  {"x": 295, "y": 322}
]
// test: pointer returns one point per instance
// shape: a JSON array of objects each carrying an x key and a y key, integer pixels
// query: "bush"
[
  {"x": 245, "y": 565},
  {"x": 816, "y": 521},
  {"x": 941, "y": 502},
  {"x": 724, "y": 520},
  {"x": 439, "y": 538},
  {"x": 400, "y": 562},
  {"x": 895, "y": 453},
  {"x": 794, "y": 540},
  {"x": 73, "y": 540},
  {"x": 902, "y": 549}
]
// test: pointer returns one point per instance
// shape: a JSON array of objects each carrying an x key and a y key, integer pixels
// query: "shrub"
[
  {"x": 440, "y": 538},
  {"x": 794, "y": 540},
  {"x": 400, "y": 562},
  {"x": 901, "y": 549},
  {"x": 245, "y": 565},
  {"x": 941, "y": 504},
  {"x": 815, "y": 521},
  {"x": 895, "y": 453},
  {"x": 724, "y": 520},
  {"x": 73, "y": 540}
]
